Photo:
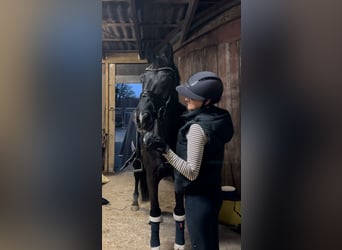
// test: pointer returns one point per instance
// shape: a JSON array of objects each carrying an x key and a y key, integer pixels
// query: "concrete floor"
[{"x": 126, "y": 229}]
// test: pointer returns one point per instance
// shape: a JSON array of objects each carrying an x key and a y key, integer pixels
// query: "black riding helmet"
[{"x": 202, "y": 86}]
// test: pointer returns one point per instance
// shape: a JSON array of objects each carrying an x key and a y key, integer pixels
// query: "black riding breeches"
[{"x": 202, "y": 221}]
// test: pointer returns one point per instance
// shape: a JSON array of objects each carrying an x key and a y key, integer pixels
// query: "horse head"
[{"x": 159, "y": 82}]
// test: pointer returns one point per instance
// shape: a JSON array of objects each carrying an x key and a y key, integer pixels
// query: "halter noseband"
[{"x": 159, "y": 69}]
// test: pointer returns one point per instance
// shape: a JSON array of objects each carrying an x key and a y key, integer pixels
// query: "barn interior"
[{"x": 204, "y": 35}]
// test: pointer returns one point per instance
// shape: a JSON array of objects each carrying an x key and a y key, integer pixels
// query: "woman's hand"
[{"x": 155, "y": 142}]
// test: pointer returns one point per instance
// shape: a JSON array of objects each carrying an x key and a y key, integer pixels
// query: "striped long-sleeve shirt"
[{"x": 196, "y": 141}]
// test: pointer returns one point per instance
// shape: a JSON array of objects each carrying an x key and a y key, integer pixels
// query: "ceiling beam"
[
  {"x": 147, "y": 25},
  {"x": 118, "y": 39},
  {"x": 228, "y": 16},
  {"x": 160, "y": 25},
  {"x": 208, "y": 2},
  {"x": 115, "y": 1},
  {"x": 117, "y": 24},
  {"x": 137, "y": 27},
  {"x": 170, "y": 1},
  {"x": 190, "y": 12},
  {"x": 213, "y": 12}
]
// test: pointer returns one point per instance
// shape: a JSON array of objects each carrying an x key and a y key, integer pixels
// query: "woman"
[{"x": 199, "y": 156}]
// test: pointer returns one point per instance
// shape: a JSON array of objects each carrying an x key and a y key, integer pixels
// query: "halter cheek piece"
[{"x": 160, "y": 114}]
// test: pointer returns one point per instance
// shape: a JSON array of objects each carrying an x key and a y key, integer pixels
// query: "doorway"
[
  {"x": 127, "y": 98},
  {"x": 127, "y": 91}
]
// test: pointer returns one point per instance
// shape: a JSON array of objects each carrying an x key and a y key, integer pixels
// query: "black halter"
[
  {"x": 160, "y": 69},
  {"x": 155, "y": 99},
  {"x": 159, "y": 109}
]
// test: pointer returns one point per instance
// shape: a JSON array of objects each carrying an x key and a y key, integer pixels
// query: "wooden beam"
[
  {"x": 123, "y": 79},
  {"x": 136, "y": 27},
  {"x": 213, "y": 12},
  {"x": 115, "y": 1},
  {"x": 113, "y": 52},
  {"x": 170, "y": 1},
  {"x": 123, "y": 57},
  {"x": 190, "y": 12},
  {"x": 231, "y": 13},
  {"x": 228, "y": 16},
  {"x": 112, "y": 24},
  {"x": 119, "y": 40},
  {"x": 208, "y": 2},
  {"x": 232, "y": 16},
  {"x": 160, "y": 25},
  {"x": 153, "y": 40},
  {"x": 106, "y": 24},
  {"x": 106, "y": 118},
  {"x": 111, "y": 118}
]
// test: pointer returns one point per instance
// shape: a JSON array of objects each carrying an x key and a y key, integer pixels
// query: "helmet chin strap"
[{"x": 206, "y": 103}]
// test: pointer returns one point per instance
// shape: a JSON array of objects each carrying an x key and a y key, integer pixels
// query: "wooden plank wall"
[{"x": 219, "y": 51}]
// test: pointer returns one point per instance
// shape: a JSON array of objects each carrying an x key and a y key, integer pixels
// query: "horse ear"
[
  {"x": 168, "y": 51},
  {"x": 150, "y": 55}
]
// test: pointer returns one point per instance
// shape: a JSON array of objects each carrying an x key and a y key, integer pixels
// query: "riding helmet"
[{"x": 202, "y": 86}]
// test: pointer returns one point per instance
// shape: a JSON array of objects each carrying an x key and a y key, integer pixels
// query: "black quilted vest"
[{"x": 217, "y": 125}]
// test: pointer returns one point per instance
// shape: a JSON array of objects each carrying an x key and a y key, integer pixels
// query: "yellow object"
[
  {"x": 227, "y": 215},
  {"x": 104, "y": 179}
]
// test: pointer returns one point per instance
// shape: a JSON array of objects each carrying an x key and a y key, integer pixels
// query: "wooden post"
[
  {"x": 111, "y": 118},
  {"x": 104, "y": 111},
  {"x": 106, "y": 76}
]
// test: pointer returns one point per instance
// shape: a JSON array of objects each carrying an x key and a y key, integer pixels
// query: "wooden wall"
[{"x": 219, "y": 51}]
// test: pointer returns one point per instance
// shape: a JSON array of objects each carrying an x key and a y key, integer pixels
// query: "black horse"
[{"x": 158, "y": 112}]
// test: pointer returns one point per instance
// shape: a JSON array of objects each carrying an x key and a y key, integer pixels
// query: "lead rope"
[{"x": 137, "y": 164}]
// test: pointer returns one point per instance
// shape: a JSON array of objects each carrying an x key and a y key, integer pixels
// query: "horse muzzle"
[{"x": 144, "y": 121}]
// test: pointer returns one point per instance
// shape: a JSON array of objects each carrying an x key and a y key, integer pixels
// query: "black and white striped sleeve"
[{"x": 196, "y": 141}]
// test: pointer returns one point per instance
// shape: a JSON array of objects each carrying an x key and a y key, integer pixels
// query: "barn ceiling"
[{"x": 143, "y": 25}]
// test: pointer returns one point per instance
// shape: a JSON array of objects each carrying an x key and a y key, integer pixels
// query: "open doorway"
[
  {"x": 127, "y": 98},
  {"x": 127, "y": 91}
]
